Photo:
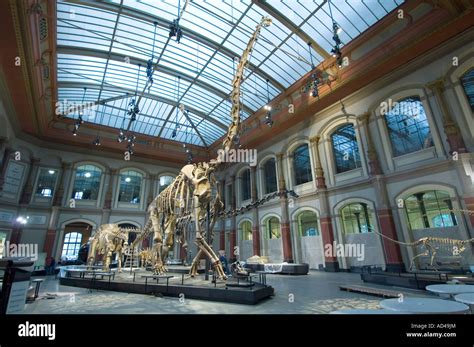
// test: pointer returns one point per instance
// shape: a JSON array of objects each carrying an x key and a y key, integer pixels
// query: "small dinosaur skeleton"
[
  {"x": 109, "y": 239},
  {"x": 194, "y": 190},
  {"x": 432, "y": 244}
]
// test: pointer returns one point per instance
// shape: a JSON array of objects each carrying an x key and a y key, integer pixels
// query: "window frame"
[
  {"x": 88, "y": 202},
  {"x": 141, "y": 195},
  {"x": 357, "y": 158},
  {"x": 45, "y": 199},
  {"x": 293, "y": 164}
]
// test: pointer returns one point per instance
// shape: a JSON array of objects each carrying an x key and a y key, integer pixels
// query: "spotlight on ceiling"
[
  {"x": 74, "y": 132},
  {"x": 268, "y": 119},
  {"x": 175, "y": 30},
  {"x": 96, "y": 141},
  {"x": 121, "y": 136},
  {"x": 267, "y": 107}
]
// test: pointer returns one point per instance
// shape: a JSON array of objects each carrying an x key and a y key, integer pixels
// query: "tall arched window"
[
  {"x": 430, "y": 209},
  {"x": 307, "y": 223},
  {"x": 356, "y": 218},
  {"x": 46, "y": 183},
  {"x": 245, "y": 185},
  {"x": 302, "y": 165},
  {"x": 270, "y": 176},
  {"x": 87, "y": 183},
  {"x": 165, "y": 181},
  {"x": 272, "y": 228},
  {"x": 72, "y": 243},
  {"x": 130, "y": 186},
  {"x": 408, "y": 128},
  {"x": 467, "y": 81},
  {"x": 345, "y": 148},
  {"x": 246, "y": 230}
]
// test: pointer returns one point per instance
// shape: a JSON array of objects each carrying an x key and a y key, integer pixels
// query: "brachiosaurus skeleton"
[{"x": 191, "y": 191}]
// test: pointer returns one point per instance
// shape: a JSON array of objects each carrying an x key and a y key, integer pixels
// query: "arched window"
[
  {"x": 72, "y": 243},
  {"x": 272, "y": 228},
  {"x": 46, "y": 183},
  {"x": 245, "y": 185},
  {"x": 246, "y": 230},
  {"x": 356, "y": 218},
  {"x": 408, "y": 128},
  {"x": 87, "y": 183},
  {"x": 430, "y": 209},
  {"x": 302, "y": 165},
  {"x": 130, "y": 187},
  {"x": 270, "y": 176},
  {"x": 165, "y": 181},
  {"x": 307, "y": 223},
  {"x": 467, "y": 81},
  {"x": 345, "y": 148}
]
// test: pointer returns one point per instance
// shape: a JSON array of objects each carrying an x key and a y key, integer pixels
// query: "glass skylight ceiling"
[{"x": 92, "y": 54}]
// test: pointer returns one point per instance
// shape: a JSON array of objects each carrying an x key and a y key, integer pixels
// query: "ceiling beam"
[
  {"x": 134, "y": 13},
  {"x": 135, "y": 61},
  {"x": 272, "y": 11},
  {"x": 132, "y": 92}
]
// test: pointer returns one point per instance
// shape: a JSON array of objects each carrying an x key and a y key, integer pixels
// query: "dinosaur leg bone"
[{"x": 157, "y": 243}]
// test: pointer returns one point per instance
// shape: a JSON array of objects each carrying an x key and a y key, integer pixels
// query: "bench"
[{"x": 157, "y": 278}]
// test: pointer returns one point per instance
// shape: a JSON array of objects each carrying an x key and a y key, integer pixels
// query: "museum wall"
[
  {"x": 430, "y": 168},
  {"x": 42, "y": 214}
]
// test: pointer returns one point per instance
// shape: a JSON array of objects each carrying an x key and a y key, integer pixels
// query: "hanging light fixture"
[
  {"x": 133, "y": 108},
  {"x": 268, "y": 116},
  {"x": 336, "y": 50},
  {"x": 175, "y": 30},
  {"x": 79, "y": 120},
  {"x": 175, "y": 130},
  {"x": 149, "y": 65},
  {"x": 121, "y": 135}
]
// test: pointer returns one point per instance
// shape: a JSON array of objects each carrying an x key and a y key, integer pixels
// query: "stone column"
[
  {"x": 374, "y": 163},
  {"x": 59, "y": 193},
  {"x": 30, "y": 181},
  {"x": 318, "y": 168},
  {"x": 451, "y": 129},
  {"x": 111, "y": 185},
  {"x": 232, "y": 234},
  {"x": 285, "y": 219},
  {"x": 223, "y": 219},
  {"x": 327, "y": 231},
  {"x": 7, "y": 155},
  {"x": 151, "y": 193},
  {"x": 393, "y": 256},
  {"x": 51, "y": 232},
  {"x": 255, "y": 218},
  {"x": 15, "y": 237}
]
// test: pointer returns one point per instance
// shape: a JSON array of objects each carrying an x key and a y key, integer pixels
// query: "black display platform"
[
  {"x": 287, "y": 269},
  {"x": 192, "y": 288},
  {"x": 414, "y": 280}
]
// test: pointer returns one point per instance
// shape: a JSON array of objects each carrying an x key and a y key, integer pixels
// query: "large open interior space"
[{"x": 306, "y": 157}]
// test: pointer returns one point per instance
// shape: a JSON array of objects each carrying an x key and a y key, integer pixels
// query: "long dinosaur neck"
[{"x": 233, "y": 130}]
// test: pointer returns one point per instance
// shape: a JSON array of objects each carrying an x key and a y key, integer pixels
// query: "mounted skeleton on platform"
[
  {"x": 432, "y": 244},
  {"x": 187, "y": 198},
  {"x": 109, "y": 239}
]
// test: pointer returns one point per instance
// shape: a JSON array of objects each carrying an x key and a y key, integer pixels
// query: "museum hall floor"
[{"x": 316, "y": 293}]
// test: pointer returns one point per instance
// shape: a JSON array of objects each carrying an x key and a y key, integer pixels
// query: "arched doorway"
[{"x": 73, "y": 246}]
